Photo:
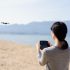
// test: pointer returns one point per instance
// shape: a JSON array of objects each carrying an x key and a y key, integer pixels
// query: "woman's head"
[{"x": 59, "y": 31}]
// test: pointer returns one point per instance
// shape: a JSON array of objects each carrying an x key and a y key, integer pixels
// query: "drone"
[{"x": 4, "y": 23}]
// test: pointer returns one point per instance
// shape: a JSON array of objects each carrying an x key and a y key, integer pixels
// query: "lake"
[{"x": 27, "y": 39}]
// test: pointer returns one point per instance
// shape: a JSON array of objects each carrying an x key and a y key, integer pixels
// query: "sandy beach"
[{"x": 18, "y": 57}]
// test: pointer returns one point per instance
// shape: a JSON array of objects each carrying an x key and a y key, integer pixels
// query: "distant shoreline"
[{"x": 22, "y": 34}]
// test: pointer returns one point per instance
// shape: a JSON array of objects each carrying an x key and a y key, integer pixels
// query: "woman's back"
[{"x": 58, "y": 59}]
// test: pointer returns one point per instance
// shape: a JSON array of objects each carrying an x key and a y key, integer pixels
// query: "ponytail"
[{"x": 64, "y": 45}]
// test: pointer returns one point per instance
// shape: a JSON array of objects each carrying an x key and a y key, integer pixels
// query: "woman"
[{"x": 56, "y": 57}]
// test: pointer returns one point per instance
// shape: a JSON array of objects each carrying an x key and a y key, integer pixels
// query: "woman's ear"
[{"x": 53, "y": 36}]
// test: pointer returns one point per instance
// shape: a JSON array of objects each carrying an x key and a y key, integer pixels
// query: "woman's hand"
[
  {"x": 49, "y": 44},
  {"x": 38, "y": 46}
]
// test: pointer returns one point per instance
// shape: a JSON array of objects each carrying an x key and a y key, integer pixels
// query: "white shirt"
[{"x": 55, "y": 58}]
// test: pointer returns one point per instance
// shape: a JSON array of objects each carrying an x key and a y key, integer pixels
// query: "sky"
[{"x": 26, "y": 11}]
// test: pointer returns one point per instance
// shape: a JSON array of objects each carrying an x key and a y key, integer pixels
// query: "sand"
[{"x": 14, "y": 56}]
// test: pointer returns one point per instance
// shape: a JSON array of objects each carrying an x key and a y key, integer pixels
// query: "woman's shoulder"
[
  {"x": 54, "y": 49},
  {"x": 49, "y": 49}
]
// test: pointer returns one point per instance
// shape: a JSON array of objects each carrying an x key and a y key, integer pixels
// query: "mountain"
[{"x": 31, "y": 28}]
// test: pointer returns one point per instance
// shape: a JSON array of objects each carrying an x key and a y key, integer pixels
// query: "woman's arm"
[{"x": 42, "y": 56}]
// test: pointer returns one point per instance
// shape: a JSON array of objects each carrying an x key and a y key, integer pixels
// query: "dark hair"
[{"x": 60, "y": 31}]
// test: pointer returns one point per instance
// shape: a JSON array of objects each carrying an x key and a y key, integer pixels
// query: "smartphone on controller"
[{"x": 44, "y": 44}]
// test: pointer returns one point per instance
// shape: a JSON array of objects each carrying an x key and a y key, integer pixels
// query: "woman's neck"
[{"x": 57, "y": 43}]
